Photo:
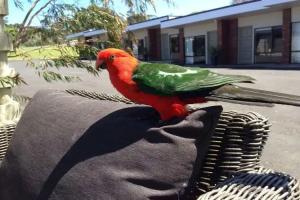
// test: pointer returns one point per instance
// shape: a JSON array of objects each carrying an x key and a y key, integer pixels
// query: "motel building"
[
  {"x": 87, "y": 37},
  {"x": 255, "y": 32}
]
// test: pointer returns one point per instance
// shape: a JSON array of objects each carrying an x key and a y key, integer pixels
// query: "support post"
[
  {"x": 9, "y": 109},
  {"x": 286, "y": 35}
]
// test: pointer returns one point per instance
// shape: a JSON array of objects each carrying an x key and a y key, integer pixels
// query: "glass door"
[
  {"x": 296, "y": 43},
  {"x": 174, "y": 48},
  {"x": 189, "y": 53},
  {"x": 141, "y": 49},
  {"x": 195, "y": 50},
  {"x": 199, "y": 49}
]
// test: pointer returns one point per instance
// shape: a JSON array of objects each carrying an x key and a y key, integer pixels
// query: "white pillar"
[{"x": 9, "y": 109}]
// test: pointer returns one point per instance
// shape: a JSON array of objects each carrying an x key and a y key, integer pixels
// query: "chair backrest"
[{"x": 236, "y": 145}]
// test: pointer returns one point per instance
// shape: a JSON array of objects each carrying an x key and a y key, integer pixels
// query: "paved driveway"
[{"x": 282, "y": 151}]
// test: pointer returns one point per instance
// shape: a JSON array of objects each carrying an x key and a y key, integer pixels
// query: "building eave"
[
  {"x": 148, "y": 24},
  {"x": 88, "y": 33},
  {"x": 95, "y": 33},
  {"x": 75, "y": 36},
  {"x": 225, "y": 12}
]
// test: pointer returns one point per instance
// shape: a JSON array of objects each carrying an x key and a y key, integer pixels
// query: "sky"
[{"x": 181, "y": 7}]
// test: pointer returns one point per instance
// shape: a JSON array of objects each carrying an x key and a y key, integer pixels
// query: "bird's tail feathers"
[{"x": 243, "y": 95}]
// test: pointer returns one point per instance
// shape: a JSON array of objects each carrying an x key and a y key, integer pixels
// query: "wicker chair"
[{"x": 232, "y": 167}]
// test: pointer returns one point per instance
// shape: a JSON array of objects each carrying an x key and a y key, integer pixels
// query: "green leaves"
[
  {"x": 9, "y": 81},
  {"x": 18, "y": 4},
  {"x": 50, "y": 76},
  {"x": 53, "y": 59},
  {"x": 60, "y": 19}
]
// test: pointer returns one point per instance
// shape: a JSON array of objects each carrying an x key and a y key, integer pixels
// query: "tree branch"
[
  {"x": 22, "y": 27},
  {"x": 38, "y": 12},
  {"x": 22, "y": 31},
  {"x": 33, "y": 5}
]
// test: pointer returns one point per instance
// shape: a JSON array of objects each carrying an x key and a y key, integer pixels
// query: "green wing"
[{"x": 168, "y": 79}]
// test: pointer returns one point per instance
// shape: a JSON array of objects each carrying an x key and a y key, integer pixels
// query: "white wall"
[
  {"x": 170, "y": 31},
  {"x": 102, "y": 37},
  {"x": 140, "y": 34},
  {"x": 296, "y": 14},
  {"x": 261, "y": 20},
  {"x": 199, "y": 29}
]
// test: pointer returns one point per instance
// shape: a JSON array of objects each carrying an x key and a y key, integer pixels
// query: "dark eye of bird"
[{"x": 112, "y": 57}]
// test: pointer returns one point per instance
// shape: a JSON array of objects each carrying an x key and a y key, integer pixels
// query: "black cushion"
[{"x": 71, "y": 148}]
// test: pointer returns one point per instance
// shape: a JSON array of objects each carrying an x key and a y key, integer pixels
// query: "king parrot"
[{"x": 169, "y": 88}]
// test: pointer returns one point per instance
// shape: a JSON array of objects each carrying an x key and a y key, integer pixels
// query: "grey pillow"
[{"x": 72, "y": 148}]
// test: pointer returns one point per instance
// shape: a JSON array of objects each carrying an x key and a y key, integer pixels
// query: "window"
[
  {"x": 128, "y": 43},
  {"x": 141, "y": 47},
  {"x": 89, "y": 41},
  {"x": 296, "y": 43},
  {"x": 199, "y": 46},
  {"x": 268, "y": 45},
  {"x": 277, "y": 42},
  {"x": 195, "y": 49},
  {"x": 189, "y": 52},
  {"x": 174, "y": 41}
]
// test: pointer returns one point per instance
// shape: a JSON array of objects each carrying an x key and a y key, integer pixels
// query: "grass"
[{"x": 41, "y": 52}]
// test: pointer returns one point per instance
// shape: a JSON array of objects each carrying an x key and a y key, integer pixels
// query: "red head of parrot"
[{"x": 114, "y": 57}]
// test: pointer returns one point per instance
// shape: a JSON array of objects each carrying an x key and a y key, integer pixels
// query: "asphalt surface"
[{"x": 282, "y": 151}]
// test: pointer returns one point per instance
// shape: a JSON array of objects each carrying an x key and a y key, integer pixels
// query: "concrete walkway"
[{"x": 282, "y": 151}]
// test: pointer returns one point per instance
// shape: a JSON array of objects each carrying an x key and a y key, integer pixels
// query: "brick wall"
[
  {"x": 181, "y": 46},
  {"x": 228, "y": 41},
  {"x": 286, "y": 36},
  {"x": 154, "y": 44},
  {"x": 221, "y": 43}
]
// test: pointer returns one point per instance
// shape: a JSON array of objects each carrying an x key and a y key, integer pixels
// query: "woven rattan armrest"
[
  {"x": 6, "y": 133},
  {"x": 260, "y": 184},
  {"x": 236, "y": 146}
]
